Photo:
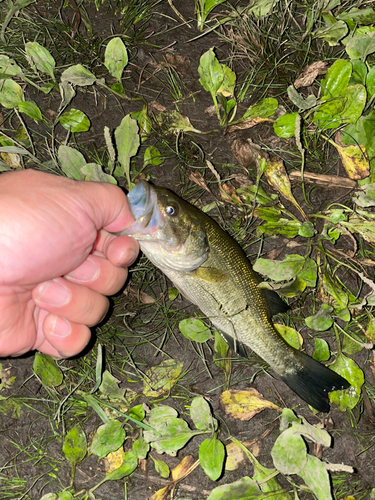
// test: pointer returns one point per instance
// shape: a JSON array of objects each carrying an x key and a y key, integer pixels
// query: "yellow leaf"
[
  {"x": 236, "y": 455},
  {"x": 278, "y": 178},
  {"x": 160, "y": 379},
  {"x": 13, "y": 160},
  {"x": 354, "y": 158},
  {"x": 113, "y": 460},
  {"x": 182, "y": 468},
  {"x": 243, "y": 405},
  {"x": 161, "y": 494}
]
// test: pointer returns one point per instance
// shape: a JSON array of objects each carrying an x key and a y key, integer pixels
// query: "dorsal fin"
[{"x": 275, "y": 304}]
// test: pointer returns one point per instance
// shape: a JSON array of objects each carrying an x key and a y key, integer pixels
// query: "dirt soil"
[{"x": 23, "y": 432}]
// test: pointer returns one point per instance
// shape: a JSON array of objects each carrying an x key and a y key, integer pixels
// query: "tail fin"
[{"x": 314, "y": 381}]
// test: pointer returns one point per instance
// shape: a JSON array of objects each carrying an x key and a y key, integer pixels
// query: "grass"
[{"x": 267, "y": 55}]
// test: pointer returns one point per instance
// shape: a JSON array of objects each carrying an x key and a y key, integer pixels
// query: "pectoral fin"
[
  {"x": 209, "y": 274},
  {"x": 236, "y": 346}
]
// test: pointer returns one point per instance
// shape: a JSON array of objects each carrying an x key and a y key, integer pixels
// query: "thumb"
[{"x": 107, "y": 205}]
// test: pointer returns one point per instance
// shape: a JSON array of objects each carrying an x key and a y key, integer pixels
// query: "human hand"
[{"x": 58, "y": 260}]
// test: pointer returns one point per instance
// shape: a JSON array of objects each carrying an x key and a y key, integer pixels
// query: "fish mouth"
[{"x": 143, "y": 204}]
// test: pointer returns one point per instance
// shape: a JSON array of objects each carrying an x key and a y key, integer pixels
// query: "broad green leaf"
[
  {"x": 290, "y": 335},
  {"x": 161, "y": 467},
  {"x": 40, "y": 58},
  {"x": 366, "y": 197},
  {"x": 348, "y": 369},
  {"x": 211, "y": 457},
  {"x": 173, "y": 121},
  {"x": 94, "y": 172},
  {"x": 258, "y": 194},
  {"x": 8, "y": 67},
  {"x": 272, "y": 486},
  {"x": 262, "y": 109},
  {"x": 75, "y": 121},
  {"x": 160, "y": 379},
  {"x": 116, "y": 57},
  {"x": 277, "y": 177},
  {"x": 229, "y": 81},
  {"x": 128, "y": 466},
  {"x": 243, "y": 489},
  {"x": 30, "y": 109},
  {"x": 285, "y": 125},
  {"x": 360, "y": 46},
  {"x": 75, "y": 446},
  {"x": 141, "y": 448},
  {"x": 78, "y": 75},
  {"x": 127, "y": 143},
  {"x": 299, "y": 101},
  {"x": 271, "y": 214},
  {"x": 195, "y": 330},
  {"x": 201, "y": 415},
  {"x": 221, "y": 350},
  {"x": 137, "y": 412},
  {"x": 336, "y": 79},
  {"x": 261, "y": 8},
  {"x": 108, "y": 437},
  {"x": 287, "y": 227},
  {"x": 203, "y": 8},
  {"x": 321, "y": 350},
  {"x": 312, "y": 432},
  {"x": 210, "y": 72},
  {"x": 344, "y": 108},
  {"x": 359, "y": 73},
  {"x": 364, "y": 16},
  {"x": 71, "y": 162},
  {"x": 288, "y": 417},
  {"x": 322, "y": 320},
  {"x": 289, "y": 452},
  {"x": 307, "y": 229},
  {"x": 152, "y": 157},
  {"x": 315, "y": 475},
  {"x": 334, "y": 33},
  {"x": 289, "y": 289},
  {"x": 280, "y": 270},
  {"x": 144, "y": 122},
  {"x": 110, "y": 386},
  {"x": 11, "y": 94},
  {"x": 349, "y": 344},
  {"x": 47, "y": 370},
  {"x": 174, "y": 433},
  {"x": 161, "y": 414},
  {"x": 370, "y": 83},
  {"x": 67, "y": 93},
  {"x": 309, "y": 272},
  {"x": 173, "y": 293},
  {"x": 65, "y": 495}
]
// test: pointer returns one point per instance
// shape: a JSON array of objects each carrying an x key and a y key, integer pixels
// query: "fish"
[{"x": 210, "y": 269}]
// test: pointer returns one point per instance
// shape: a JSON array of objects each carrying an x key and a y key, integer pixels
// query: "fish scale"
[{"x": 211, "y": 270}]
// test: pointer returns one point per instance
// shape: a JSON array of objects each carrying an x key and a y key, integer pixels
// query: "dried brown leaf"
[
  {"x": 180, "y": 62},
  {"x": 310, "y": 73},
  {"x": 247, "y": 152},
  {"x": 198, "y": 178}
]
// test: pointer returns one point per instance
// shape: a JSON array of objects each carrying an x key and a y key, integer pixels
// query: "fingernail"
[
  {"x": 54, "y": 293},
  {"x": 60, "y": 327},
  {"x": 86, "y": 272}
]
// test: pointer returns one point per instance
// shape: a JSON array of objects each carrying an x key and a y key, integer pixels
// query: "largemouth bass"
[{"x": 210, "y": 269}]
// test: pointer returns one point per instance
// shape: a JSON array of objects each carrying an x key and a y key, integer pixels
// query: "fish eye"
[{"x": 171, "y": 209}]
